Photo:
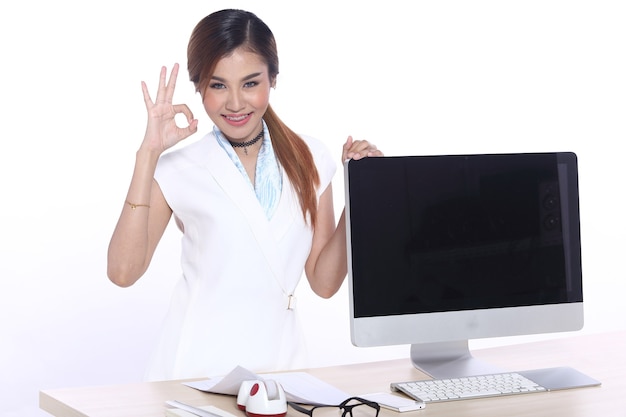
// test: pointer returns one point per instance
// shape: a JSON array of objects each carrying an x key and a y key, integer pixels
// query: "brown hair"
[{"x": 217, "y": 36}]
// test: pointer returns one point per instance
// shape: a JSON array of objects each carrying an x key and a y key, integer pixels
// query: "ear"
[{"x": 273, "y": 82}]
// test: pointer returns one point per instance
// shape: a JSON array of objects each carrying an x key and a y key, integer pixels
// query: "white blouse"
[{"x": 239, "y": 269}]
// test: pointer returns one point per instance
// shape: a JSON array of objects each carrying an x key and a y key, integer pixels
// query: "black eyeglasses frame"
[{"x": 344, "y": 406}]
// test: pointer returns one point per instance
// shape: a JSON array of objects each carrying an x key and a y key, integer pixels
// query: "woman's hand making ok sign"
[{"x": 162, "y": 132}]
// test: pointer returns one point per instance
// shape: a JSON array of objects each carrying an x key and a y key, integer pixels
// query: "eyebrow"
[{"x": 246, "y": 78}]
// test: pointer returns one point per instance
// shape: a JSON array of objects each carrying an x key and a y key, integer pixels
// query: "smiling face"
[{"x": 237, "y": 95}]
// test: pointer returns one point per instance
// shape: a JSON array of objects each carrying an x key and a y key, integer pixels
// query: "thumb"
[
  {"x": 190, "y": 129},
  {"x": 346, "y": 148}
]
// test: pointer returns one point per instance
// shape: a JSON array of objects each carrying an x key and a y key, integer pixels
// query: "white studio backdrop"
[{"x": 423, "y": 77}]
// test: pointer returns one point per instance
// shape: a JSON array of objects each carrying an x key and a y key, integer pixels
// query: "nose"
[{"x": 235, "y": 101}]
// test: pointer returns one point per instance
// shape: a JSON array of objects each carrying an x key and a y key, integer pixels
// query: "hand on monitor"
[{"x": 357, "y": 149}]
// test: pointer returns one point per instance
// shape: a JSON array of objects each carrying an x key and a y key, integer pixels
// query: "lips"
[{"x": 237, "y": 119}]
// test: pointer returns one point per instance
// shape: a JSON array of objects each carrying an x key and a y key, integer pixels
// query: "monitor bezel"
[{"x": 462, "y": 326}]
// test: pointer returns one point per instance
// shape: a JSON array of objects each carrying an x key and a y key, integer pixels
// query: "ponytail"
[{"x": 295, "y": 157}]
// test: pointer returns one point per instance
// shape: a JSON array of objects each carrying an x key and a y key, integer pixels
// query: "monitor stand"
[{"x": 449, "y": 360}]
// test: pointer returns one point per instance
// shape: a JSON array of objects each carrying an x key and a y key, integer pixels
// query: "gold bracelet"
[{"x": 134, "y": 206}]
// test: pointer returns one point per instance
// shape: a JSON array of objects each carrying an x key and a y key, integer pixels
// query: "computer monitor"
[{"x": 448, "y": 248}]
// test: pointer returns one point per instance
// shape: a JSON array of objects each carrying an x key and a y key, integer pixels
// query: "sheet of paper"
[
  {"x": 299, "y": 386},
  {"x": 228, "y": 384},
  {"x": 175, "y": 412},
  {"x": 305, "y": 388}
]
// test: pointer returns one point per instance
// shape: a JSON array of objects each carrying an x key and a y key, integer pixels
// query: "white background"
[{"x": 414, "y": 77}]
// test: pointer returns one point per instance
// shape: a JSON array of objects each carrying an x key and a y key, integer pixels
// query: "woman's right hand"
[{"x": 162, "y": 132}]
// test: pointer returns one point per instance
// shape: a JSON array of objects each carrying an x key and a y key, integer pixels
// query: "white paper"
[{"x": 299, "y": 387}]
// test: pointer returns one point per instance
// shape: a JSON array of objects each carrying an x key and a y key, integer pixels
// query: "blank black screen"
[{"x": 442, "y": 233}]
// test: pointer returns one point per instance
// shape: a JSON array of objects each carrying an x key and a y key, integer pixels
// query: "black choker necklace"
[{"x": 245, "y": 145}]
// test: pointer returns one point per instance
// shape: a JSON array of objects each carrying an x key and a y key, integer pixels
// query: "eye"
[
  {"x": 217, "y": 86},
  {"x": 250, "y": 84}
]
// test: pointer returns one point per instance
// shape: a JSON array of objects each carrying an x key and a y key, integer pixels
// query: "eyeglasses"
[{"x": 365, "y": 408}]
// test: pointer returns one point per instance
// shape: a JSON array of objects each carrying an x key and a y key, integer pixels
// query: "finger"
[
  {"x": 373, "y": 151},
  {"x": 346, "y": 149},
  {"x": 361, "y": 149},
  {"x": 146, "y": 95},
  {"x": 171, "y": 85},
  {"x": 192, "y": 126},
  {"x": 356, "y": 148},
  {"x": 191, "y": 129},
  {"x": 161, "y": 90},
  {"x": 185, "y": 132},
  {"x": 185, "y": 110},
  {"x": 369, "y": 153}
]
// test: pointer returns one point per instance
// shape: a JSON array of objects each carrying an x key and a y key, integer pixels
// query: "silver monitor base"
[{"x": 449, "y": 360}]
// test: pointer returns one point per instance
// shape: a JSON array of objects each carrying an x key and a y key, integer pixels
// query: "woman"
[{"x": 253, "y": 200}]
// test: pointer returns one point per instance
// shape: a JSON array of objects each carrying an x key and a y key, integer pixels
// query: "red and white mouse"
[{"x": 262, "y": 398}]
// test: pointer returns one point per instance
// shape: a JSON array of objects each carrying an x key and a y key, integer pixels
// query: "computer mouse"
[{"x": 262, "y": 398}]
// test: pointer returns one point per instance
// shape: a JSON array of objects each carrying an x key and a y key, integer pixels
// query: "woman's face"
[{"x": 237, "y": 95}]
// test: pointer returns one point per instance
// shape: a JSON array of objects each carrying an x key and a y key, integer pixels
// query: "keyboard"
[{"x": 481, "y": 386}]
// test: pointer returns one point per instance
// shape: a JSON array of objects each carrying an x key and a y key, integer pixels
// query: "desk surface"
[{"x": 598, "y": 355}]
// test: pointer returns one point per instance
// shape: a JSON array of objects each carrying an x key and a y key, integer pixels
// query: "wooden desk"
[{"x": 601, "y": 356}]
